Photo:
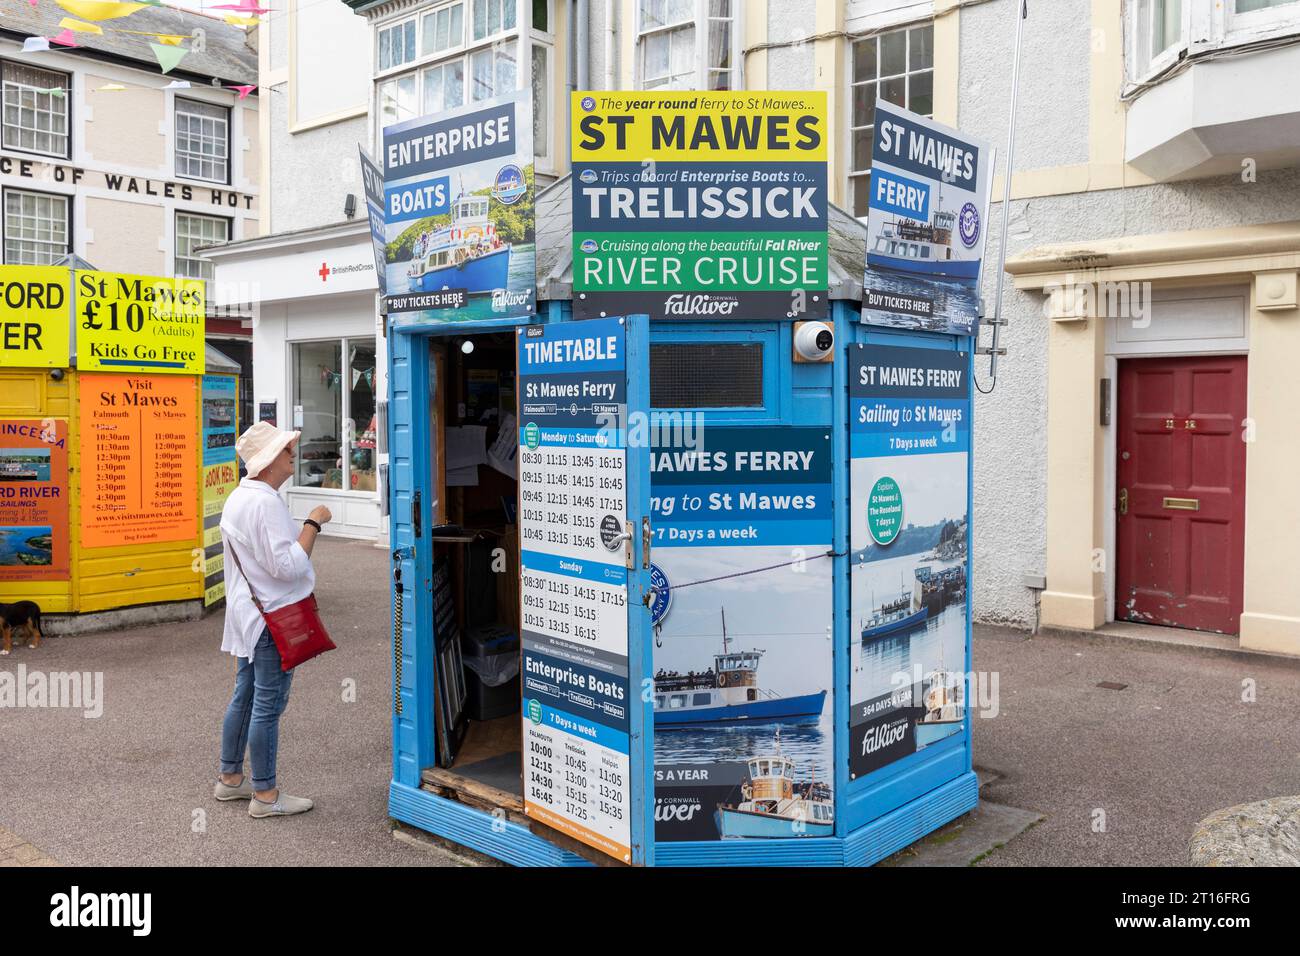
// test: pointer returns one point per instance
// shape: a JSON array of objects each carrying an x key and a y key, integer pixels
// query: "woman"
[{"x": 275, "y": 557}]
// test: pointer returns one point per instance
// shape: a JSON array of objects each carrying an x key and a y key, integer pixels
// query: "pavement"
[
  {"x": 1071, "y": 773},
  {"x": 134, "y": 786}
]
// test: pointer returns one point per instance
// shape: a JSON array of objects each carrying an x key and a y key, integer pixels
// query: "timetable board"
[{"x": 573, "y": 531}]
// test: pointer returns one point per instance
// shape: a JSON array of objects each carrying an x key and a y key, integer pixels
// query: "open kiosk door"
[{"x": 584, "y": 480}]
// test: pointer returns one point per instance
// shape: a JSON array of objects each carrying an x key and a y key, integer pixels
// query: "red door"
[{"x": 1182, "y": 492}]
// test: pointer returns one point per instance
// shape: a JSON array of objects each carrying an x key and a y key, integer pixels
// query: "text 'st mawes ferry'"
[{"x": 728, "y": 692}]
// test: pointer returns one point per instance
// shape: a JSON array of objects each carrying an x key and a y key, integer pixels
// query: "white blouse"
[{"x": 256, "y": 521}]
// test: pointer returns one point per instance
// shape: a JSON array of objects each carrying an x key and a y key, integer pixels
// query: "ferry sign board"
[
  {"x": 926, "y": 224},
  {"x": 574, "y": 574},
  {"x": 909, "y": 444},
  {"x": 131, "y": 323},
  {"x": 458, "y": 213},
  {"x": 700, "y": 205}
]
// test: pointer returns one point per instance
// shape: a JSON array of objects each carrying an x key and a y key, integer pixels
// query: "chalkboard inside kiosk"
[{"x": 471, "y": 505}]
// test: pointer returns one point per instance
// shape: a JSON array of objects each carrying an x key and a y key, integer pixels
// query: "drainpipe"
[
  {"x": 609, "y": 45},
  {"x": 584, "y": 45}
]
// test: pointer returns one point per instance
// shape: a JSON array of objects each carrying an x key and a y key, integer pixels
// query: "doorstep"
[{"x": 1203, "y": 642}]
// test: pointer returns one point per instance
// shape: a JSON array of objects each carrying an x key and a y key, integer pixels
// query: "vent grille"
[{"x": 706, "y": 375}]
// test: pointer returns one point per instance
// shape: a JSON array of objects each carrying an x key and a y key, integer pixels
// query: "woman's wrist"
[{"x": 314, "y": 523}]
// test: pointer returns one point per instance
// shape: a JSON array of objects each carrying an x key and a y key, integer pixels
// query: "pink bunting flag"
[
  {"x": 66, "y": 38},
  {"x": 244, "y": 91},
  {"x": 244, "y": 6}
]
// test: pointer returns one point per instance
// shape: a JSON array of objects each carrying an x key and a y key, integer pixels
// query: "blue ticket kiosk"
[{"x": 671, "y": 594}]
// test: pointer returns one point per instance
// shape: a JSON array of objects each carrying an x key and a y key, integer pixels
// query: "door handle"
[
  {"x": 645, "y": 542},
  {"x": 1123, "y": 501}
]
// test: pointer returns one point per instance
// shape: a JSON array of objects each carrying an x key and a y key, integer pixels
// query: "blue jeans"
[{"x": 252, "y": 719}]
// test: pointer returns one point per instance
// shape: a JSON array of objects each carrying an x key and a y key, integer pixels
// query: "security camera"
[{"x": 813, "y": 342}]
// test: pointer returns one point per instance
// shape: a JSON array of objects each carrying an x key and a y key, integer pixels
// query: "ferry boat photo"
[
  {"x": 898, "y": 616},
  {"x": 944, "y": 712},
  {"x": 727, "y": 692},
  {"x": 15, "y": 471},
  {"x": 466, "y": 254},
  {"x": 773, "y": 806},
  {"x": 908, "y": 245}
]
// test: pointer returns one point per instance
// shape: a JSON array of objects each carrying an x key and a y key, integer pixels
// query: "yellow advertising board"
[
  {"x": 130, "y": 323},
  {"x": 33, "y": 317}
]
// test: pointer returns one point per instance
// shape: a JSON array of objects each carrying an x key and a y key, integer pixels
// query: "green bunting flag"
[{"x": 168, "y": 56}]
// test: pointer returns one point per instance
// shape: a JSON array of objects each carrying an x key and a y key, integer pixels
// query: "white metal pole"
[{"x": 998, "y": 321}]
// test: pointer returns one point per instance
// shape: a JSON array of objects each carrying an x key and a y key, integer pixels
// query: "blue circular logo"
[
  {"x": 509, "y": 184},
  {"x": 588, "y": 104},
  {"x": 968, "y": 225},
  {"x": 588, "y": 245},
  {"x": 663, "y": 592},
  {"x": 587, "y": 176}
]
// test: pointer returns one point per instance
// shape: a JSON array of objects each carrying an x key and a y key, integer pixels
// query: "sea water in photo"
[
  {"x": 956, "y": 302},
  {"x": 25, "y": 546}
]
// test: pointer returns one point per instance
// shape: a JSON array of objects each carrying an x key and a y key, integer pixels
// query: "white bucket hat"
[{"x": 258, "y": 446}]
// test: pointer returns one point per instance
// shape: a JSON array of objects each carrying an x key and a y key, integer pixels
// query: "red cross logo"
[{"x": 324, "y": 271}]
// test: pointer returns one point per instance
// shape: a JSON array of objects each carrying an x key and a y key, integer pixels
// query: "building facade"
[
  {"x": 318, "y": 344},
  {"x": 1152, "y": 251},
  {"x": 106, "y": 158}
]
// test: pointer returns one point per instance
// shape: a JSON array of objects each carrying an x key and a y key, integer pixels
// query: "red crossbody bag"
[{"x": 297, "y": 629}]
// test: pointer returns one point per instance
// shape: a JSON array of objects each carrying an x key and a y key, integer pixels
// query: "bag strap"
[{"x": 251, "y": 593}]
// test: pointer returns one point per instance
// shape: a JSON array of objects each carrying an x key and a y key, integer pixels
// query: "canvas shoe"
[
  {"x": 283, "y": 806},
  {"x": 242, "y": 792}
]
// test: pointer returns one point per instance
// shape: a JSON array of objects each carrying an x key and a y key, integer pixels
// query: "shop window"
[
  {"x": 334, "y": 408},
  {"x": 202, "y": 141},
  {"x": 897, "y": 67},
  {"x": 687, "y": 45},
  {"x": 36, "y": 228},
  {"x": 194, "y": 232},
  {"x": 706, "y": 375},
  {"x": 35, "y": 110}
]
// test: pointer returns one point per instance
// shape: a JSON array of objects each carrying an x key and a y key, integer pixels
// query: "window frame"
[
  {"x": 230, "y": 142},
  {"x": 420, "y": 32},
  {"x": 700, "y": 22},
  {"x": 176, "y": 238},
  {"x": 416, "y": 20},
  {"x": 851, "y": 171},
  {"x": 1167, "y": 57},
  {"x": 67, "y": 98},
  {"x": 68, "y": 198}
]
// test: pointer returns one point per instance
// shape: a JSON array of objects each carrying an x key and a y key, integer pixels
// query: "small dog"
[{"x": 20, "y": 614}]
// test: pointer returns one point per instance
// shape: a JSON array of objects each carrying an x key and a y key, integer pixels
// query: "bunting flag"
[
  {"x": 52, "y": 91},
  {"x": 110, "y": 88},
  {"x": 64, "y": 39},
  {"x": 238, "y": 21},
  {"x": 244, "y": 6},
  {"x": 244, "y": 91},
  {"x": 36, "y": 45},
  {"x": 177, "y": 85},
  {"x": 168, "y": 39},
  {"x": 99, "y": 9},
  {"x": 79, "y": 26},
  {"x": 168, "y": 56}
]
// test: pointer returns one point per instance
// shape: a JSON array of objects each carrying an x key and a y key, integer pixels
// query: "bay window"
[
  {"x": 688, "y": 45},
  {"x": 1160, "y": 33},
  {"x": 468, "y": 51}
]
